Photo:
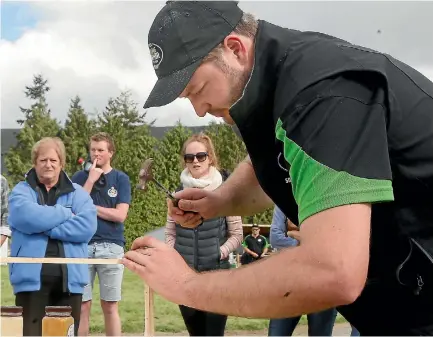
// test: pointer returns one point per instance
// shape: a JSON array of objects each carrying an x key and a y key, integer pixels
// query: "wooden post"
[{"x": 149, "y": 317}]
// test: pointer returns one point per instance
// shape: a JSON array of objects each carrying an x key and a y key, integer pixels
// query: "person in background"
[
  {"x": 284, "y": 234},
  {"x": 208, "y": 245},
  {"x": 112, "y": 201},
  {"x": 255, "y": 246},
  {"x": 4, "y": 227},
  {"x": 49, "y": 216}
]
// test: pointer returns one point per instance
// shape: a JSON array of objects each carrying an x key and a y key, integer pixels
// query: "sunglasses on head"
[{"x": 189, "y": 157}]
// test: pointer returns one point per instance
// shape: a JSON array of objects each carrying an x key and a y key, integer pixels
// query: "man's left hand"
[{"x": 161, "y": 267}]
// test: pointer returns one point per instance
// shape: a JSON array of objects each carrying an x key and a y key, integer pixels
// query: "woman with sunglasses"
[{"x": 208, "y": 245}]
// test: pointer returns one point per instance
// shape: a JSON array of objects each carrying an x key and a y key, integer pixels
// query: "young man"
[
  {"x": 340, "y": 138},
  {"x": 112, "y": 199}
]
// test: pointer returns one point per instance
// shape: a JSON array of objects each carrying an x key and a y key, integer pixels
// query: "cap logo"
[{"x": 156, "y": 54}]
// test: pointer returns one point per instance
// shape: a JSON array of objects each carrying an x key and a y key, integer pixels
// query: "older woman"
[
  {"x": 207, "y": 246},
  {"x": 49, "y": 216}
]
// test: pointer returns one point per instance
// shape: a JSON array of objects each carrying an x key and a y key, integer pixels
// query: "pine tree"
[
  {"x": 37, "y": 123},
  {"x": 76, "y": 134},
  {"x": 229, "y": 147}
]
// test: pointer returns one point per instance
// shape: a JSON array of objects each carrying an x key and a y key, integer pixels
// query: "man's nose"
[{"x": 200, "y": 108}]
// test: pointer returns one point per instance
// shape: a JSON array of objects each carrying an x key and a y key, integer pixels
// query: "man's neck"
[{"x": 106, "y": 168}]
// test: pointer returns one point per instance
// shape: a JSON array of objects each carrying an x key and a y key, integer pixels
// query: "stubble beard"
[{"x": 237, "y": 81}]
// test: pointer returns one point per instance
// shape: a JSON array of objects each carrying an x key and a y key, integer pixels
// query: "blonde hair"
[
  {"x": 104, "y": 137},
  {"x": 207, "y": 142},
  {"x": 50, "y": 143},
  {"x": 247, "y": 26}
]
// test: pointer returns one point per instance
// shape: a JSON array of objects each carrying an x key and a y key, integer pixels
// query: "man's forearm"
[
  {"x": 249, "y": 251},
  {"x": 110, "y": 214},
  {"x": 243, "y": 192},
  {"x": 296, "y": 284},
  {"x": 88, "y": 185},
  {"x": 2, "y": 239}
]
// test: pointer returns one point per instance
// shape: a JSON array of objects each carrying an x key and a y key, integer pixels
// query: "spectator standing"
[
  {"x": 112, "y": 201},
  {"x": 49, "y": 216}
]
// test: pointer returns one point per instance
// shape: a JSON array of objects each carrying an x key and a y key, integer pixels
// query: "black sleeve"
[{"x": 336, "y": 148}]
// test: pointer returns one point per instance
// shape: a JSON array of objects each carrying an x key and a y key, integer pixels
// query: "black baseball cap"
[{"x": 182, "y": 34}]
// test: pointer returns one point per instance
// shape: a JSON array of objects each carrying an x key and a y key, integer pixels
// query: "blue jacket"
[
  {"x": 278, "y": 238},
  {"x": 72, "y": 220}
]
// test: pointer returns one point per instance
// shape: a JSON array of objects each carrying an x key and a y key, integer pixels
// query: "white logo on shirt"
[
  {"x": 112, "y": 192},
  {"x": 288, "y": 179}
]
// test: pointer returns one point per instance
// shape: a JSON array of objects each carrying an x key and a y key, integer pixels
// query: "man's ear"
[{"x": 237, "y": 47}]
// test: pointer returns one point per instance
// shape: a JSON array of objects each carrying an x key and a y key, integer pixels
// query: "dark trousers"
[
  {"x": 201, "y": 323},
  {"x": 319, "y": 324},
  {"x": 50, "y": 294}
]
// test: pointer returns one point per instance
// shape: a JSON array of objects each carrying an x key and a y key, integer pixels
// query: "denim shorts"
[{"x": 110, "y": 275}]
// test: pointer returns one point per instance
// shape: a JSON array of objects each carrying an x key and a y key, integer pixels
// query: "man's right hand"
[
  {"x": 255, "y": 255},
  {"x": 208, "y": 204},
  {"x": 94, "y": 172}
]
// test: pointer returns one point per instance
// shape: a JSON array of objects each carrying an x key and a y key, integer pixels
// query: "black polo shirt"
[
  {"x": 327, "y": 123},
  {"x": 256, "y": 244}
]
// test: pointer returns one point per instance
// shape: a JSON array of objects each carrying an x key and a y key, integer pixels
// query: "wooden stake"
[{"x": 149, "y": 317}]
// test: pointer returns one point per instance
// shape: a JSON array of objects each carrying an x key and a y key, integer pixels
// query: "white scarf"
[{"x": 208, "y": 182}]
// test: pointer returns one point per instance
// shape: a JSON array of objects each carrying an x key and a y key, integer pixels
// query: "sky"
[{"x": 96, "y": 49}]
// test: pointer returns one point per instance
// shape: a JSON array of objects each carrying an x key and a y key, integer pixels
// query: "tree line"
[{"x": 134, "y": 143}]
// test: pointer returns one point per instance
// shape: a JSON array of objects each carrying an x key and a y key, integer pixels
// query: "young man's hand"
[{"x": 95, "y": 172}]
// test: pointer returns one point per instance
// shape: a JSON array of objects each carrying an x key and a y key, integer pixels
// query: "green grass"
[{"x": 131, "y": 308}]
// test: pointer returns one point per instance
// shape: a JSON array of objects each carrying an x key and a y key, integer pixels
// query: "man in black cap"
[{"x": 340, "y": 137}]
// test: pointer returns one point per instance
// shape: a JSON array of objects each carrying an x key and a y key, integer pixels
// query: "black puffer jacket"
[{"x": 200, "y": 247}]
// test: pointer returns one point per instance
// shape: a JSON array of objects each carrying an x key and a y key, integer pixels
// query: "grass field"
[{"x": 167, "y": 316}]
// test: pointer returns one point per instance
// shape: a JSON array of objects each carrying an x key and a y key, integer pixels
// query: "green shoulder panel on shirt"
[
  {"x": 317, "y": 187},
  {"x": 267, "y": 245},
  {"x": 244, "y": 243}
]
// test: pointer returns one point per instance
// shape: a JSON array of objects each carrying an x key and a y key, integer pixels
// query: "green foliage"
[
  {"x": 76, "y": 133},
  {"x": 134, "y": 143},
  {"x": 229, "y": 147},
  {"x": 37, "y": 124}
]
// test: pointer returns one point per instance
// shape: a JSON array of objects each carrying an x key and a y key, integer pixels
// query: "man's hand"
[
  {"x": 185, "y": 219},
  {"x": 94, "y": 172},
  {"x": 161, "y": 268},
  {"x": 254, "y": 254},
  {"x": 208, "y": 204}
]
